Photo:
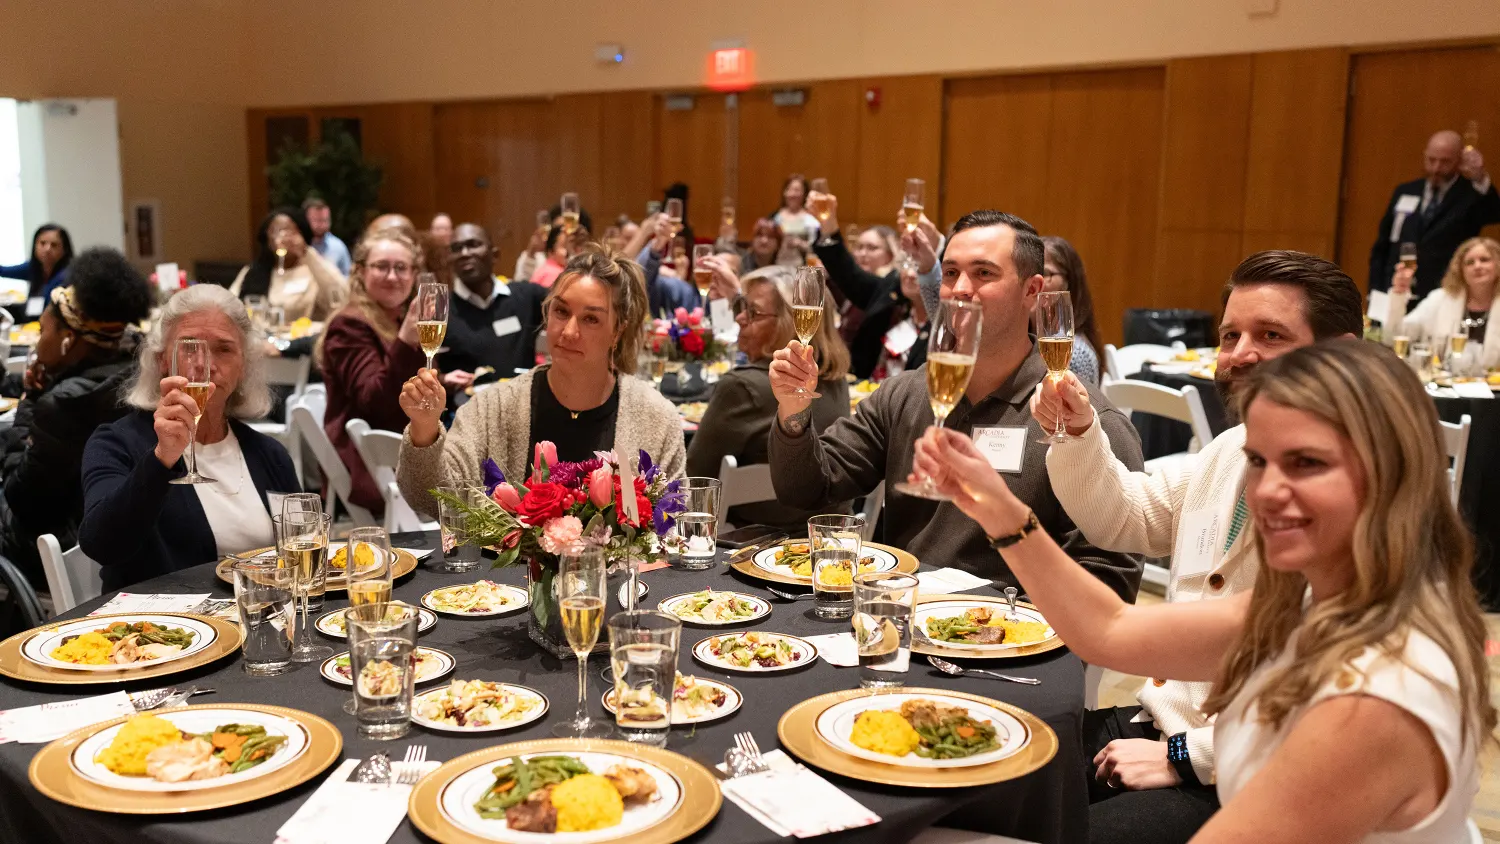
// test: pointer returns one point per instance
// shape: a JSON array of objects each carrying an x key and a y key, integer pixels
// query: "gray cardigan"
[{"x": 497, "y": 424}]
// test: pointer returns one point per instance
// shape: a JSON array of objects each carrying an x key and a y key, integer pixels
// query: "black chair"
[{"x": 21, "y": 609}]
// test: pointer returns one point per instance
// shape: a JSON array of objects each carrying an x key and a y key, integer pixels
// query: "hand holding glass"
[
  {"x": 953, "y": 349},
  {"x": 1054, "y": 337},
  {"x": 193, "y": 361},
  {"x": 807, "y": 314}
]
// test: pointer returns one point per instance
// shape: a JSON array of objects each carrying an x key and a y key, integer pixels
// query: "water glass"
[
  {"x": 643, "y": 653},
  {"x": 264, "y": 591},
  {"x": 698, "y": 526},
  {"x": 884, "y": 605},
  {"x": 382, "y": 646},
  {"x": 833, "y": 545},
  {"x": 460, "y": 554}
]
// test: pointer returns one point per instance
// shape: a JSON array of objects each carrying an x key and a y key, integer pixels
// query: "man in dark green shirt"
[{"x": 994, "y": 259}]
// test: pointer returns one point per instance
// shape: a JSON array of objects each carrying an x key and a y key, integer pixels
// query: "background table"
[{"x": 1048, "y": 805}]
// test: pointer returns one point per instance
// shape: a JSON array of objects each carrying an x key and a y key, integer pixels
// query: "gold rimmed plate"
[
  {"x": 441, "y": 805},
  {"x": 946, "y": 605},
  {"x": 226, "y": 640},
  {"x": 798, "y": 731},
  {"x": 53, "y": 772},
  {"x": 406, "y": 563},
  {"x": 761, "y": 566}
]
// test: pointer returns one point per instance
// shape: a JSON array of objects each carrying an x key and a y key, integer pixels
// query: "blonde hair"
[
  {"x": 627, "y": 297},
  {"x": 251, "y": 399},
  {"x": 833, "y": 355},
  {"x": 360, "y": 305},
  {"x": 1453, "y": 279},
  {"x": 1412, "y": 553}
]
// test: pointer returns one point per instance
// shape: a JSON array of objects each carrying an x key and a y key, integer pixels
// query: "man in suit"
[{"x": 1437, "y": 213}]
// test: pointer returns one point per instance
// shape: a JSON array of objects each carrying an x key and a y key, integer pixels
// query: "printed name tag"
[
  {"x": 1005, "y": 448},
  {"x": 294, "y": 288},
  {"x": 509, "y": 325},
  {"x": 1197, "y": 540},
  {"x": 1407, "y": 203},
  {"x": 34, "y": 306}
]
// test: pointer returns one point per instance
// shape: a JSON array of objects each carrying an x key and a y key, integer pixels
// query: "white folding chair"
[
  {"x": 1456, "y": 440},
  {"x": 381, "y": 450},
  {"x": 1125, "y": 361},
  {"x": 874, "y": 503},
  {"x": 1184, "y": 405},
  {"x": 747, "y": 485},
  {"x": 15, "y": 365},
  {"x": 305, "y": 413},
  {"x": 72, "y": 577},
  {"x": 286, "y": 372}
]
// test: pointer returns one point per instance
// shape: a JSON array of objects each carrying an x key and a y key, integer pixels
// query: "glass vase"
[{"x": 543, "y": 620}]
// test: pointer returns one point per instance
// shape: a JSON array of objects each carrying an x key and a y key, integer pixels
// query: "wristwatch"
[
  {"x": 1001, "y": 542},
  {"x": 1177, "y": 754}
]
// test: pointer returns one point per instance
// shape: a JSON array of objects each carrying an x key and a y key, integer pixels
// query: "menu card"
[
  {"x": 49, "y": 721},
  {"x": 792, "y": 800},
  {"x": 144, "y": 603},
  {"x": 341, "y": 811},
  {"x": 947, "y": 581}
]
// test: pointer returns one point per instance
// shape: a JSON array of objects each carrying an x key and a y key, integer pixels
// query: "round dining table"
[{"x": 1048, "y": 805}]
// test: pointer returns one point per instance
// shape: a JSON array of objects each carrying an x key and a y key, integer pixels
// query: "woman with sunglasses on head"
[{"x": 739, "y": 416}]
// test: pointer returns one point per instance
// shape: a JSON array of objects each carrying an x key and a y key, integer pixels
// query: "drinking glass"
[
  {"x": 281, "y": 240},
  {"x": 570, "y": 212},
  {"x": 702, "y": 273},
  {"x": 817, "y": 200},
  {"x": 833, "y": 544},
  {"x": 911, "y": 204},
  {"x": 432, "y": 318},
  {"x": 1054, "y": 336},
  {"x": 302, "y": 544},
  {"x": 192, "y": 360},
  {"x": 307, "y": 502},
  {"x": 698, "y": 526},
  {"x": 264, "y": 591},
  {"x": 460, "y": 553},
  {"x": 382, "y": 644},
  {"x": 1421, "y": 361},
  {"x": 580, "y": 585},
  {"x": 1471, "y": 134},
  {"x": 255, "y": 308},
  {"x": 884, "y": 604},
  {"x": 674, "y": 215},
  {"x": 807, "y": 313},
  {"x": 643, "y": 647},
  {"x": 1401, "y": 345},
  {"x": 952, "y": 349},
  {"x": 726, "y": 211},
  {"x": 1407, "y": 254},
  {"x": 658, "y": 367},
  {"x": 369, "y": 566},
  {"x": 544, "y": 220}
]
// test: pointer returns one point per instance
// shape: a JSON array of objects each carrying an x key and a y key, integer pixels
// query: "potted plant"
[{"x": 336, "y": 172}]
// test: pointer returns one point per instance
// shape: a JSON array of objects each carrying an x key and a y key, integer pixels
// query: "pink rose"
[
  {"x": 562, "y": 535},
  {"x": 544, "y": 451},
  {"x": 681, "y": 315},
  {"x": 506, "y": 496},
  {"x": 601, "y": 487}
]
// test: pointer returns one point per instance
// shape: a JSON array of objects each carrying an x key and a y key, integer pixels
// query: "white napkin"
[
  {"x": 1473, "y": 390},
  {"x": 341, "y": 811},
  {"x": 49, "y": 721},
  {"x": 791, "y": 800},
  {"x": 946, "y": 581},
  {"x": 143, "y": 603},
  {"x": 420, "y": 553},
  {"x": 837, "y": 649}
]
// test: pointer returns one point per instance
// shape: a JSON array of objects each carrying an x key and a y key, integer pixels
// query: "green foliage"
[{"x": 336, "y": 172}]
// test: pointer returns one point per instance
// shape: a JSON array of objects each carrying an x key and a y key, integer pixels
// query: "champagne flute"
[
  {"x": 543, "y": 220},
  {"x": 727, "y": 211},
  {"x": 581, "y": 594},
  {"x": 432, "y": 317},
  {"x": 807, "y": 312},
  {"x": 952, "y": 350},
  {"x": 281, "y": 239},
  {"x": 192, "y": 360},
  {"x": 674, "y": 216},
  {"x": 1054, "y": 333},
  {"x": 1407, "y": 255},
  {"x": 302, "y": 545},
  {"x": 911, "y": 205},
  {"x": 703, "y": 274},
  {"x": 368, "y": 569},
  {"x": 1471, "y": 134},
  {"x": 817, "y": 200},
  {"x": 570, "y": 212}
]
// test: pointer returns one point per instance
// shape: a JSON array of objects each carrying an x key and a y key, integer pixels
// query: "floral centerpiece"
[
  {"x": 561, "y": 509},
  {"x": 687, "y": 336}
]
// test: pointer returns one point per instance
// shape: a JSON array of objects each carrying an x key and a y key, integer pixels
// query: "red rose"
[
  {"x": 692, "y": 343},
  {"x": 642, "y": 504},
  {"x": 545, "y": 501}
]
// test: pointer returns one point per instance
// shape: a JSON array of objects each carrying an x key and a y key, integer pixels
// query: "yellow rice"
[{"x": 587, "y": 802}]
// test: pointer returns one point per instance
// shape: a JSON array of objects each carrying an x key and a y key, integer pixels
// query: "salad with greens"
[{"x": 711, "y": 607}]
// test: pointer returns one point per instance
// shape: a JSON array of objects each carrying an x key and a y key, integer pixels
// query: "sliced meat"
[
  {"x": 988, "y": 636},
  {"x": 534, "y": 814}
]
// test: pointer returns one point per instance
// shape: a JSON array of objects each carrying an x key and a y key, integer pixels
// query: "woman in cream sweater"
[
  {"x": 584, "y": 402},
  {"x": 302, "y": 283},
  {"x": 1468, "y": 295}
]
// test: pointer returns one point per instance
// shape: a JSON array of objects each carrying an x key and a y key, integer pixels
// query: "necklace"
[{"x": 573, "y": 413}]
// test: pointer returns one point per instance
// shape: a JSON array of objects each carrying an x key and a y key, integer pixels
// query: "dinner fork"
[
  {"x": 747, "y": 745},
  {"x": 411, "y": 766},
  {"x": 788, "y": 596}
]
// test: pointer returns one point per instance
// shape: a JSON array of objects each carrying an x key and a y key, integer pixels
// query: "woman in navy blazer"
[{"x": 136, "y": 524}]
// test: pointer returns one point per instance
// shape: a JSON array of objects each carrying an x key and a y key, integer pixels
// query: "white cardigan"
[
  {"x": 1441, "y": 314},
  {"x": 1139, "y": 513}
]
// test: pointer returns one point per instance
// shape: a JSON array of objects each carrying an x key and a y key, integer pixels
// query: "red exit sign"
[{"x": 730, "y": 69}]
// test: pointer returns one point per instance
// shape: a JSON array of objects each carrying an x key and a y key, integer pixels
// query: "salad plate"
[
  {"x": 712, "y": 608},
  {"x": 756, "y": 652},
  {"x": 481, "y": 599},
  {"x": 432, "y": 664},
  {"x": 696, "y": 700}
]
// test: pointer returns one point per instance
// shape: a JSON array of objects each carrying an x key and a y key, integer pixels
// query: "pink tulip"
[
  {"x": 545, "y": 450},
  {"x": 602, "y": 487},
  {"x": 696, "y": 317},
  {"x": 506, "y": 496},
  {"x": 681, "y": 315}
]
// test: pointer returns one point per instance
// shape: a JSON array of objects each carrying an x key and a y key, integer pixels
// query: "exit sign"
[{"x": 730, "y": 69}]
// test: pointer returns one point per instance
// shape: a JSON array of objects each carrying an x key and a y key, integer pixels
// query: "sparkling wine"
[
  {"x": 702, "y": 278},
  {"x": 430, "y": 334},
  {"x": 377, "y": 591},
  {"x": 947, "y": 378},
  {"x": 806, "y": 319},
  {"x": 570, "y": 221},
  {"x": 1057, "y": 352},
  {"x": 729, "y": 216},
  {"x": 305, "y": 557},
  {"x": 1401, "y": 346},
  {"x": 1457, "y": 343},
  {"x": 658, "y": 368},
  {"x": 913, "y": 213},
  {"x": 820, "y": 206},
  {"x": 676, "y": 224},
  {"x": 198, "y": 392},
  {"x": 581, "y": 617}
]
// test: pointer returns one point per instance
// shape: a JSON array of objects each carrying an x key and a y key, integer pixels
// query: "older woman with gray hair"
[{"x": 137, "y": 524}]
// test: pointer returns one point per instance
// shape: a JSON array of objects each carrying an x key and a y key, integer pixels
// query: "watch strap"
[
  {"x": 1002, "y": 542},
  {"x": 1178, "y": 756}
]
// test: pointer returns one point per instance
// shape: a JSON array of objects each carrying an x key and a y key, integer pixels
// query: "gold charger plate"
[
  {"x": 905, "y": 563},
  {"x": 701, "y": 798},
  {"x": 18, "y": 667},
  {"x": 937, "y": 648},
  {"x": 406, "y": 563},
  {"x": 797, "y": 730},
  {"x": 53, "y": 776}
]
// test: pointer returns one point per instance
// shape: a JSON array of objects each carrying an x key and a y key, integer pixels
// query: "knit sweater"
[
  {"x": 1154, "y": 515},
  {"x": 497, "y": 424}
]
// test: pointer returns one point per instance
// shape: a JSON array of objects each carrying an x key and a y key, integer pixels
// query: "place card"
[
  {"x": 155, "y": 602},
  {"x": 837, "y": 649},
  {"x": 948, "y": 581},
  {"x": 51, "y": 721},
  {"x": 1473, "y": 390},
  {"x": 792, "y": 800},
  {"x": 341, "y": 811}
]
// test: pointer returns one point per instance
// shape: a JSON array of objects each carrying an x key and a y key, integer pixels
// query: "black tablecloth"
[{"x": 1049, "y": 805}]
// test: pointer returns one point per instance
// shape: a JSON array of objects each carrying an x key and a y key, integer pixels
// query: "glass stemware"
[
  {"x": 807, "y": 314},
  {"x": 369, "y": 564},
  {"x": 302, "y": 545},
  {"x": 952, "y": 350},
  {"x": 192, "y": 360},
  {"x": 432, "y": 318},
  {"x": 581, "y": 595},
  {"x": 703, "y": 274},
  {"x": 673, "y": 210},
  {"x": 911, "y": 203},
  {"x": 1054, "y": 337},
  {"x": 570, "y": 212}
]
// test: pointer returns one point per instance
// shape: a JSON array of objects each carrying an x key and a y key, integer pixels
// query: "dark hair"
[
  {"x": 258, "y": 278},
  {"x": 1028, "y": 253},
  {"x": 795, "y": 177},
  {"x": 1335, "y": 306},
  {"x": 313, "y": 202},
  {"x": 1067, "y": 260},
  {"x": 34, "y": 268},
  {"x": 107, "y": 288},
  {"x": 583, "y": 216},
  {"x": 556, "y": 232}
]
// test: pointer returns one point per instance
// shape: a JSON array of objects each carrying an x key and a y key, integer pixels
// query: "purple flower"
[
  {"x": 493, "y": 477},
  {"x": 661, "y": 522},
  {"x": 572, "y": 475},
  {"x": 649, "y": 470}
]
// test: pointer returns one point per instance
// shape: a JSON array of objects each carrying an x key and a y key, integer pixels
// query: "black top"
[
  {"x": 1460, "y": 216},
  {"x": 1481, "y": 321},
  {"x": 501, "y": 335},
  {"x": 879, "y": 296},
  {"x": 576, "y": 435}
]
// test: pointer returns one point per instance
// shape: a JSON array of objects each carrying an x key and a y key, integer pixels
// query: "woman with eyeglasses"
[
  {"x": 739, "y": 416},
  {"x": 369, "y": 350},
  {"x": 1063, "y": 270}
]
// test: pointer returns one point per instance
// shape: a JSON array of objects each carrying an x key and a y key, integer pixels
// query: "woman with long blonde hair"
[
  {"x": 1351, "y": 688},
  {"x": 1465, "y": 303}
]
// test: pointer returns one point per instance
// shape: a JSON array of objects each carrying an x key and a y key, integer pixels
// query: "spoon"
[
  {"x": 952, "y": 670},
  {"x": 1010, "y": 598},
  {"x": 788, "y": 596}
]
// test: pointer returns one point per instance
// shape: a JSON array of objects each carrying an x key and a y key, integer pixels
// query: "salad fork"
[
  {"x": 789, "y": 596},
  {"x": 411, "y": 766},
  {"x": 747, "y": 745}
]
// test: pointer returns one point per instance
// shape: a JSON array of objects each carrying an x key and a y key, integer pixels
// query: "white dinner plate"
[
  {"x": 677, "y": 605},
  {"x": 458, "y": 799},
  {"x": 194, "y": 721},
  {"x": 766, "y": 559},
  {"x": 733, "y": 700},
  {"x": 426, "y": 620},
  {"x": 948, "y": 609},
  {"x": 515, "y": 595},
  {"x": 804, "y": 653},
  {"x": 39, "y": 648},
  {"x": 444, "y": 666},
  {"x": 836, "y": 724},
  {"x": 527, "y": 691}
]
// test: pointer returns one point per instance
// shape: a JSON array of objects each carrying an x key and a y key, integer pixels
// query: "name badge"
[
  {"x": 34, "y": 306},
  {"x": 1407, "y": 203},
  {"x": 509, "y": 325},
  {"x": 294, "y": 288},
  {"x": 1003, "y": 447},
  {"x": 1198, "y": 538}
]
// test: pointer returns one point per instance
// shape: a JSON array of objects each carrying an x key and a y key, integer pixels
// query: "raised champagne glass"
[
  {"x": 673, "y": 211},
  {"x": 703, "y": 274},
  {"x": 1406, "y": 253},
  {"x": 1054, "y": 336},
  {"x": 1471, "y": 134},
  {"x": 726, "y": 211},
  {"x": 911, "y": 204},
  {"x": 432, "y": 317},
  {"x": 808, "y": 289},
  {"x": 952, "y": 350},
  {"x": 570, "y": 212},
  {"x": 281, "y": 253},
  {"x": 580, "y": 600},
  {"x": 192, "y": 360},
  {"x": 817, "y": 200}
]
